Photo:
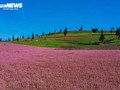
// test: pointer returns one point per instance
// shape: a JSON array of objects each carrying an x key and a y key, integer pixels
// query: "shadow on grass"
[
  {"x": 85, "y": 43},
  {"x": 108, "y": 41},
  {"x": 96, "y": 43}
]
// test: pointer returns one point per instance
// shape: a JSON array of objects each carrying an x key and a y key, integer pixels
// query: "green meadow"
[{"x": 74, "y": 40}]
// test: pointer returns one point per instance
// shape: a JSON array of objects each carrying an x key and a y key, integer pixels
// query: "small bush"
[{"x": 94, "y": 30}]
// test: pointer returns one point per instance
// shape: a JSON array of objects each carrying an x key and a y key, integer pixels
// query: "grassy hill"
[{"x": 74, "y": 40}]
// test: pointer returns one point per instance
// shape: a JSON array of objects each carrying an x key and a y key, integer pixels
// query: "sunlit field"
[
  {"x": 59, "y": 45},
  {"x": 86, "y": 40}
]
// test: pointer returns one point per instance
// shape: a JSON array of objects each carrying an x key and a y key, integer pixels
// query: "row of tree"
[
  {"x": 102, "y": 36},
  {"x": 65, "y": 31},
  {"x": 33, "y": 36}
]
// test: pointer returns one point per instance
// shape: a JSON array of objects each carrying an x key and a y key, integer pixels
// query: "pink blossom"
[{"x": 35, "y": 68}]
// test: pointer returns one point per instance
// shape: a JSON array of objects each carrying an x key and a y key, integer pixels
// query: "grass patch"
[{"x": 75, "y": 40}]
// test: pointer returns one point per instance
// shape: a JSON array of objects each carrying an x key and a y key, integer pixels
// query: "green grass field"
[{"x": 74, "y": 40}]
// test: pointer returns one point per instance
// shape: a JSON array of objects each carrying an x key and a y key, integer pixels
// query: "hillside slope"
[{"x": 74, "y": 40}]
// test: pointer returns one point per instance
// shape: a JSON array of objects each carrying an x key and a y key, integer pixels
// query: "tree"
[
  {"x": 33, "y": 36},
  {"x": 13, "y": 38},
  {"x": 54, "y": 31},
  {"x": 94, "y": 30},
  {"x": 60, "y": 30},
  {"x": 17, "y": 39},
  {"x": 28, "y": 37},
  {"x": 43, "y": 34},
  {"x": 49, "y": 33},
  {"x": 81, "y": 28},
  {"x": 36, "y": 35},
  {"x": 65, "y": 32},
  {"x": 118, "y": 33},
  {"x": 9, "y": 39},
  {"x": 102, "y": 36},
  {"x": 0, "y": 39},
  {"x": 23, "y": 36},
  {"x": 112, "y": 30}
]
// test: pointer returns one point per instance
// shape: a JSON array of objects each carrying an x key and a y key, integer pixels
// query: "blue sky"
[{"x": 49, "y": 15}]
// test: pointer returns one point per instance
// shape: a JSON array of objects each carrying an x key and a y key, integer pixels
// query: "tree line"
[
  {"x": 65, "y": 32},
  {"x": 33, "y": 36}
]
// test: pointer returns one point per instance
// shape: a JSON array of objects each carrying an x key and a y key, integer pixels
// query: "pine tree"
[
  {"x": 60, "y": 30},
  {"x": 65, "y": 32},
  {"x": 13, "y": 38},
  {"x": 0, "y": 39},
  {"x": 43, "y": 34},
  {"x": 49, "y": 33},
  {"x": 33, "y": 36},
  {"x": 17, "y": 39},
  {"x": 112, "y": 30},
  {"x": 23, "y": 37},
  {"x": 54, "y": 31},
  {"x": 102, "y": 37},
  {"x": 28, "y": 37},
  {"x": 118, "y": 33},
  {"x": 81, "y": 28},
  {"x": 9, "y": 39}
]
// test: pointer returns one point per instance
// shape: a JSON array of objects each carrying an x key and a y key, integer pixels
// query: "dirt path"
[{"x": 32, "y": 68}]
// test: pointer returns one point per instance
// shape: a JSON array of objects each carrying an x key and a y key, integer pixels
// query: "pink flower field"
[{"x": 33, "y": 68}]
